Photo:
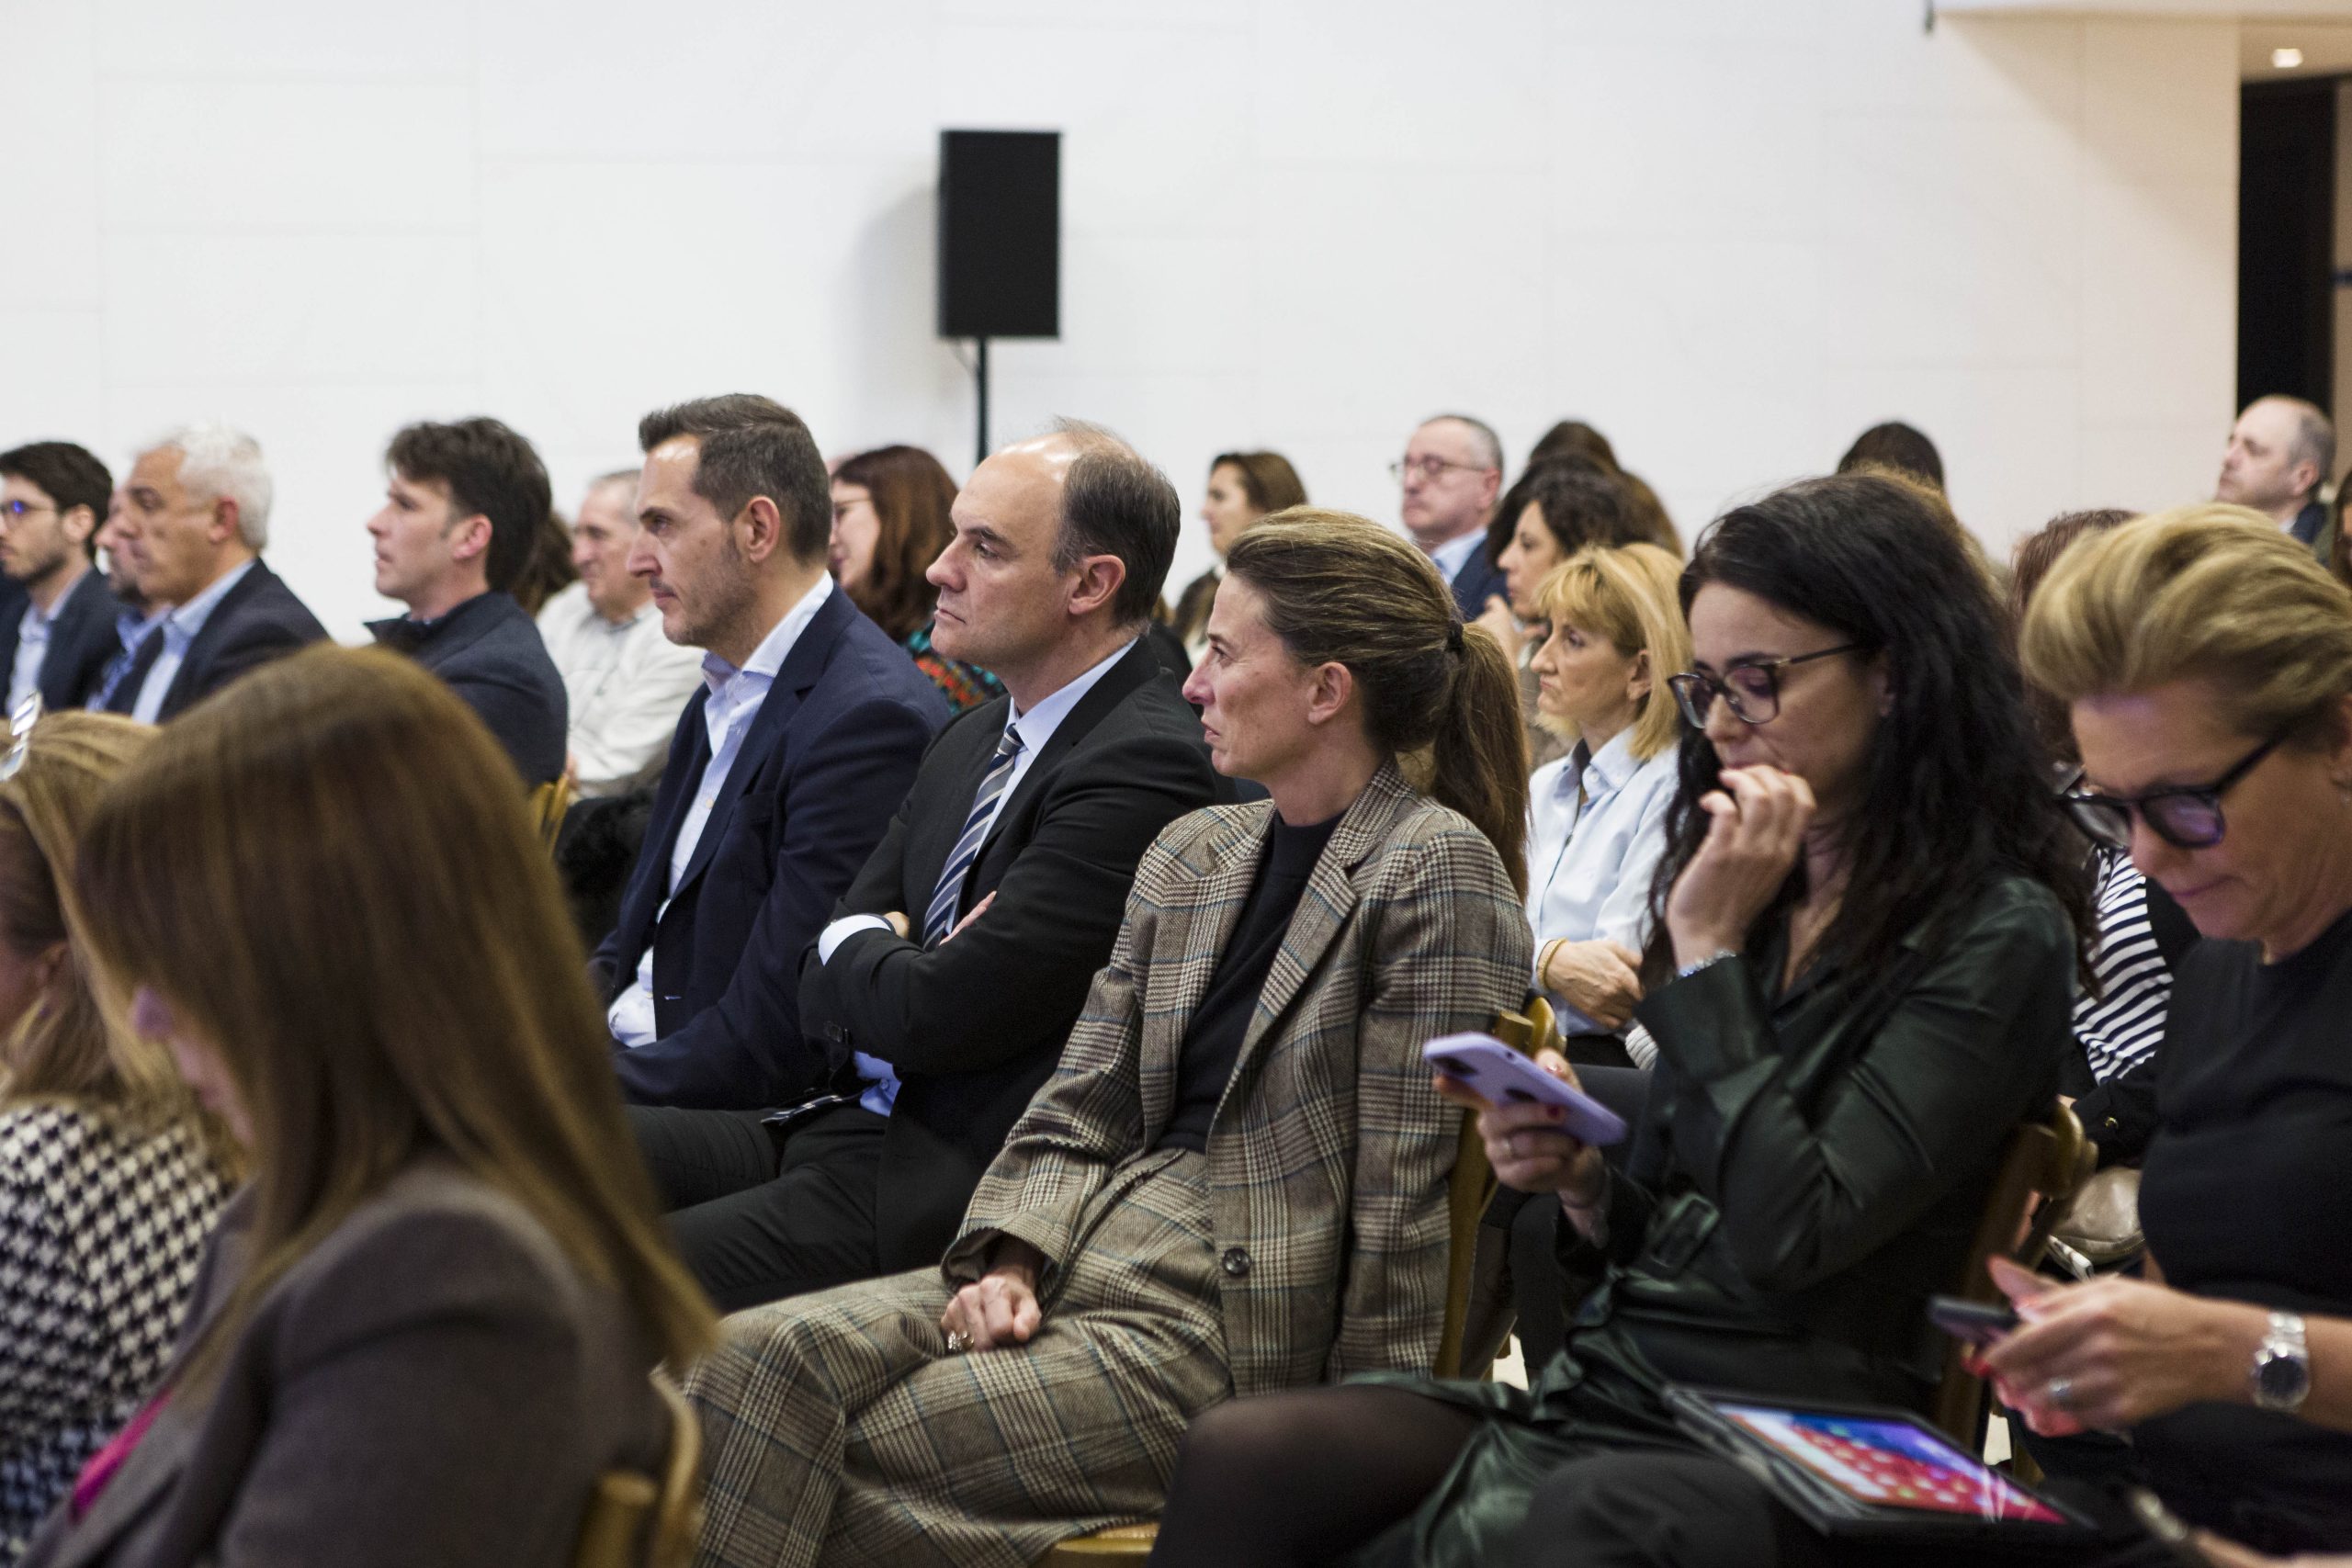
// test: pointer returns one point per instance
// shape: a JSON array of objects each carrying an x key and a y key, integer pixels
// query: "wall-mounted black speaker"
[{"x": 1000, "y": 233}]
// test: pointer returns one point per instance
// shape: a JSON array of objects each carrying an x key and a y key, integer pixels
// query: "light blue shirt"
[
  {"x": 735, "y": 699},
  {"x": 180, "y": 626},
  {"x": 1590, "y": 866},
  {"x": 1454, "y": 554},
  {"x": 1037, "y": 727},
  {"x": 32, "y": 647}
]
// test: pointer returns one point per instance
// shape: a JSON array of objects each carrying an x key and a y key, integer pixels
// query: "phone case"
[{"x": 1500, "y": 1076}]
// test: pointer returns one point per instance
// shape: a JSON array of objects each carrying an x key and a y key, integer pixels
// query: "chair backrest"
[
  {"x": 2046, "y": 1159},
  {"x": 635, "y": 1520},
  {"x": 549, "y": 802},
  {"x": 1471, "y": 1190}
]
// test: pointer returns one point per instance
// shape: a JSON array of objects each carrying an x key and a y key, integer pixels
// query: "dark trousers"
[{"x": 763, "y": 1212}]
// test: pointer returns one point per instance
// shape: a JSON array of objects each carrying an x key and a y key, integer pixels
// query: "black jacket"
[
  {"x": 836, "y": 744},
  {"x": 973, "y": 1026},
  {"x": 81, "y": 640},
  {"x": 256, "y": 621},
  {"x": 1479, "y": 579},
  {"x": 489, "y": 652}
]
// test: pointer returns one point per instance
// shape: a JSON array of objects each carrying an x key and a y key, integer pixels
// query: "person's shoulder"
[
  {"x": 432, "y": 1236},
  {"x": 563, "y": 608},
  {"x": 868, "y": 665},
  {"x": 48, "y": 1144},
  {"x": 266, "y": 604},
  {"x": 2011, "y": 904}
]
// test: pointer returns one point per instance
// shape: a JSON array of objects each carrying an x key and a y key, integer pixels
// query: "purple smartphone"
[{"x": 1500, "y": 1076}]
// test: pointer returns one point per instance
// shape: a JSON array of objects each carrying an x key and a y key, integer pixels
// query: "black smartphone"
[
  {"x": 2165, "y": 1526},
  {"x": 1978, "y": 1322}
]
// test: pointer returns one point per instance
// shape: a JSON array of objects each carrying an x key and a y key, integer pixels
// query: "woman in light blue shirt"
[{"x": 1596, "y": 816}]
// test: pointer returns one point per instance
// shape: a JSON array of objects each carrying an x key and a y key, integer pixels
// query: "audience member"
[
  {"x": 2207, "y": 666},
  {"x": 1552, "y": 512},
  {"x": 1235, "y": 1181},
  {"x": 548, "y": 570},
  {"x": 422, "y": 1331},
  {"x": 1597, "y": 817},
  {"x": 624, "y": 682},
  {"x": 109, "y": 1174},
  {"x": 2336, "y": 554},
  {"x": 463, "y": 506},
  {"x": 783, "y": 772},
  {"x": 1864, "y": 913},
  {"x": 195, "y": 520},
  {"x": 2281, "y": 452},
  {"x": 890, "y": 522},
  {"x": 1895, "y": 447},
  {"x": 2119, "y": 1018},
  {"x": 1243, "y": 487},
  {"x": 956, "y": 964},
  {"x": 1575, "y": 440},
  {"x": 135, "y": 619},
  {"x": 1451, "y": 469},
  {"x": 53, "y": 496}
]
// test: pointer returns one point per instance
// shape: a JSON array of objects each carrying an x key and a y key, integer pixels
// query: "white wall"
[{"x": 1731, "y": 232}]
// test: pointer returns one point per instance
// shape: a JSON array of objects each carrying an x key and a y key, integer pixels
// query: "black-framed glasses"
[
  {"x": 21, "y": 728},
  {"x": 2187, "y": 816},
  {"x": 1431, "y": 467},
  {"x": 1750, "y": 688}
]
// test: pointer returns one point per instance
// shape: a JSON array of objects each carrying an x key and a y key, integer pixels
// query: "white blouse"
[{"x": 1590, "y": 866}]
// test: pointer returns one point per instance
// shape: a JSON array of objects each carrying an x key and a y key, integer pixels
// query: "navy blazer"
[
  {"x": 258, "y": 620},
  {"x": 831, "y": 753},
  {"x": 974, "y": 1026},
  {"x": 1479, "y": 579},
  {"x": 489, "y": 652},
  {"x": 82, "y": 639}
]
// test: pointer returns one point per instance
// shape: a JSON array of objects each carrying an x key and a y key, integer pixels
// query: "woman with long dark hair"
[
  {"x": 1862, "y": 970},
  {"x": 890, "y": 522}
]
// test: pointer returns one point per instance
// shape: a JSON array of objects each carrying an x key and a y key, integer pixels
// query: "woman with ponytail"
[
  {"x": 1235, "y": 1182},
  {"x": 1866, "y": 944}
]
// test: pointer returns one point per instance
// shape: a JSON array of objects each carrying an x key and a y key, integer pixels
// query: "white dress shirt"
[
  {"x": 1590, "y": 866},
  {"x": 32, "y": 647},
  {"x": 1036, "y": 727},
  {"x": 180, "y": 628},
  {"x": 625, "y": 683},
  {"x": 735, "y": 699}
]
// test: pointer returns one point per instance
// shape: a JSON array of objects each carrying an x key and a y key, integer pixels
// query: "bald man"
[
  {"x": 955, "y": 967},
  {"x": 2280, "y": 453}
]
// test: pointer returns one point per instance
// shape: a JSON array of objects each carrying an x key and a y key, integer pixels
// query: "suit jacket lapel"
[
  {"x": 144, "y": 1483},
  {"x": 1188, "y": 949},
  {"x": 1330, "y": 899},
  {"x": 1118, "y": 682},
  {"x": 200, "y": 647}
]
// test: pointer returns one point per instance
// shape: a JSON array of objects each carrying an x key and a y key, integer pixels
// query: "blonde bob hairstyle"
[
  {"x": 64, "y": 1046},
  {"x": 329, "y": 873},
  {"x": 2206, "y": 592},
  {"x": 1632, "y": 595}
]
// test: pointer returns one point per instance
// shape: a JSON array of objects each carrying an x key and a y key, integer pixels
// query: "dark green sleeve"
[{"x": 1968, "y": 1050}]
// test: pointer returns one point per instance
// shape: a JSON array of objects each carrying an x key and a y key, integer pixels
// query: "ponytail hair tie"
[{"x": 1454, "y": 637}]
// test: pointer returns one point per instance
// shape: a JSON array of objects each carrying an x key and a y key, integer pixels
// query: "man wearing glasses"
[
  {"x": 52, "y": 495},
  {"x": 1451, "y": 471}
]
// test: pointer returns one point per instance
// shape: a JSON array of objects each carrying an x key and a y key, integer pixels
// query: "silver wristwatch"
[{"x": 2282, "y": 1377}]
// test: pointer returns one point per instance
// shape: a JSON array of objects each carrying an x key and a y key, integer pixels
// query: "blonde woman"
[
  {"x": 108, "y": 1183},
  {"x": 1596, "y": 816},
  {"x": 424, "y": 1329}
]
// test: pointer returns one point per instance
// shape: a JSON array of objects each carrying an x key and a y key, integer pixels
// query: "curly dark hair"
[{"x": 1958, "y": 788}]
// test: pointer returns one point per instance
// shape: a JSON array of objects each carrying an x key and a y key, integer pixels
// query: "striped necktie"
[{"x": 940, "y": 919}]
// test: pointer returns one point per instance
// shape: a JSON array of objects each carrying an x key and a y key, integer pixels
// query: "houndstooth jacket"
[
  {"x": 102, "y": 1226},
  {"x": 1329, "y": 1153}
]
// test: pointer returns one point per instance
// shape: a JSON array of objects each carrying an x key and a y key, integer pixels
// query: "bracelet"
[
  {"x": 1713, "y": 958},
  {"x": 1544, "y": 961}
]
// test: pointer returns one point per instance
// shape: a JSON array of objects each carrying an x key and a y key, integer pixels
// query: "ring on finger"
[
  {"x": 2060, "y": 1393},
  {"x": 958, "y": 1341}
]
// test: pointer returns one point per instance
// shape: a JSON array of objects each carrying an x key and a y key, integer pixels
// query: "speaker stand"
[{"x": 981, "y": 379}]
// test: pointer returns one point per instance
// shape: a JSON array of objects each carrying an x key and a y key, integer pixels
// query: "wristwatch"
[
  {"x": 1709, "y": 962},
  {"x": 2282, "y": 1378}
]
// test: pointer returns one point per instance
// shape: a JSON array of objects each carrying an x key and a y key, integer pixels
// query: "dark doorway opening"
[{"x": 2286, "y": 241}]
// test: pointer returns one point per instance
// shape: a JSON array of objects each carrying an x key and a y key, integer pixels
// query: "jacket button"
[{"x": 1236, "y": 1262}]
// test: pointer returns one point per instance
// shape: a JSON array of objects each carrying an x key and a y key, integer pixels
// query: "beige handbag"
[{"x": 2102, "y": 1220}]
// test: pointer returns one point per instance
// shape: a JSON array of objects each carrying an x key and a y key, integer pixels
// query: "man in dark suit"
[
  {"x": 956, "y": 966},
  {"x": 58, "y": 639},
  {"x": 2279, "y": 453},
  {"x": 781, "y": 777},
  {"x": 194, "y": 522},
  {"x": 462, "y": 509},
  {"x": 1452, "y": 472}
]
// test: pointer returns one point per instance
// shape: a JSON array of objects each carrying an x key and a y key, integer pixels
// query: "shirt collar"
[
  {"x": 408, "y": 633},
  {"x": 768, "y": 658},
  {"x": 1038, "y": 725},
  {"x": 1454, "y": 554},
  {"x": 188, "y": 619},
  {"x": 1607, "y": 770}
]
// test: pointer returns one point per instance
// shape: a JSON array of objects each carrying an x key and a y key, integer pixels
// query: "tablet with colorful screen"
[{"x": 1862, "y": 1470}]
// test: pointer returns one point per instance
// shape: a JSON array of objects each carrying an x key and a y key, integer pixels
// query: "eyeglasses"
[
  {"x": 1751, "y": 690},
  {"x": 20, "y": 725},
  {"x": 2187, "y": 816},
  {"x": 14, "y": 508},
  {"x": 1431, "y": 467}
]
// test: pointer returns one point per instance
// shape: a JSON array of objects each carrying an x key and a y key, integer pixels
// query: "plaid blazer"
[{"x": 1330, "y": 1154}]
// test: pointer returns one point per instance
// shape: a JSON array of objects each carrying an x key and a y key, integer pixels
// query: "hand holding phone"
[
  {"x": 1500, "y": 1076},
  {"x": 1973, "y": 1323}
]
